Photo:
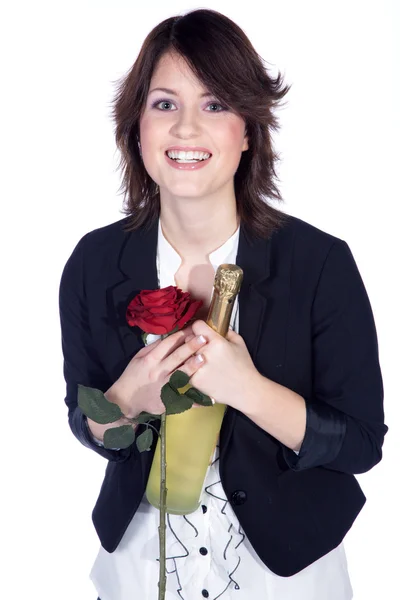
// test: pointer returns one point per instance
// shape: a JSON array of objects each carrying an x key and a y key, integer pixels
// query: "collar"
[{"x": 169, "y": 260}]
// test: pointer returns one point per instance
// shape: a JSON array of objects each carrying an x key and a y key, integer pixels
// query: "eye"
[
  {"x": 217, "y": 104},
  {"x": 157, "y": 102}
]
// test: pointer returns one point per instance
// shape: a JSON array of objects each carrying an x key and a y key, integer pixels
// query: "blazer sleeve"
[
  {"x": 345, "y": 419},
  {"x": 82, "y": 363}
]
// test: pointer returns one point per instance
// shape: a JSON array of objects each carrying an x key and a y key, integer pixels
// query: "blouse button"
[
  {"x": 205, "y": 593},
  {"x": 203, "y": 551},
  {"x": 239, "y": 497},
  {"x": 204, "y": 508}
]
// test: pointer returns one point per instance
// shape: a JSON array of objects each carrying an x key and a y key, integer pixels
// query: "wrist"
[
  {"x": 278, "y": 410},
  {"x": 119, "y": 396},
  {"x": 256, "y": 393}
]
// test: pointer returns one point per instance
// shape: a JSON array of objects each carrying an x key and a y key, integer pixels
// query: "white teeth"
[{"x": 182, "y": 155}]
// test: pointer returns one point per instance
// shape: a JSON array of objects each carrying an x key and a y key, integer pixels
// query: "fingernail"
[
  {"x": 201, "y": 339},
  {"x": 199, "y": 358}
]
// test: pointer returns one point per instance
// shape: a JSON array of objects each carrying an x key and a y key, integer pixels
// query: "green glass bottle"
[{"x": 191, "y": 436}]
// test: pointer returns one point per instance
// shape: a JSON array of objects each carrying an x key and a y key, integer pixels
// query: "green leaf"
[
  {"x": 174, "y": 402},
  {"x": 144, "y": 440},
  {"x": 178, "y": 379},
  {"x": 95, "y": 405},
  {"x": 119, "y": 437},
  {"x": 199, "y": 397},
  {"x": 145, "y": 417},
  {"x": 194, "y": 395}
]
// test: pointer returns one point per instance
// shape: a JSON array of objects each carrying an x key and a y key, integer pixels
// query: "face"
[{"x": 188, "y": 118}]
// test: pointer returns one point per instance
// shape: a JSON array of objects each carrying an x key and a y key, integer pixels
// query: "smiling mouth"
[{"x": 187, "y": 161}]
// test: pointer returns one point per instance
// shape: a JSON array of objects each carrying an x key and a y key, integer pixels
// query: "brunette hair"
[{"x": 223, "y": 59}]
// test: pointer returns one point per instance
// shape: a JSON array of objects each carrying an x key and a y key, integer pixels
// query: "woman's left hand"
[{"x": 228, "y": 373}]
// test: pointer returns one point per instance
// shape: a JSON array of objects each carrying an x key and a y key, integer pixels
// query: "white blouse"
[{"x": 208, "y": 553}]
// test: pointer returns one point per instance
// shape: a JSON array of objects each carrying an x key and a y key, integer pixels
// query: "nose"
[{"x": 187, "y": 124}]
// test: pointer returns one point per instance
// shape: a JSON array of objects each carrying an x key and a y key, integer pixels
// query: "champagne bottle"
[{"x": 191, "y": 436}]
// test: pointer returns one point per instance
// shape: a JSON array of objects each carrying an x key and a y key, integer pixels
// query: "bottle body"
[{"x": 191, "y": 438}]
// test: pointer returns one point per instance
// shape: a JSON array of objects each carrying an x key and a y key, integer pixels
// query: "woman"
[{"x": 299, "y": 371}]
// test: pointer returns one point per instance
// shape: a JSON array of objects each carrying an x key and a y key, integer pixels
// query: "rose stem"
[{"x": 163, "y": 501}]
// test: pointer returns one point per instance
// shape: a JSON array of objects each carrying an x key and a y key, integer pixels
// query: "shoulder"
[
  {"x": 303, "y": 234},
  {"x": 94, "y": 250},
  {"x": 307, "y": 252},
  {"x": 306, "y": 244},
  {"x": 103, "y": 243},
  {"x": 113, "y": 233}
]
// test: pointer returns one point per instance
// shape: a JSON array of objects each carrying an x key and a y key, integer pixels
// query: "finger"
[
  {"x": 144, "y": 351},
  {"x": 193, "y": 364},
  {"x": 150, "y": 347},
  {"x": 201, "y": 328},
  {"x": 188, "y": 330},
  {"x": 170, "y": 343},
  {"x": 181, "y": 354},
  {"x": 234, "y": 337}
]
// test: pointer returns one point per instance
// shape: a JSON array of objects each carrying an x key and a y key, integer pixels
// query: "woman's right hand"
[{"x": 139, "y": 387}]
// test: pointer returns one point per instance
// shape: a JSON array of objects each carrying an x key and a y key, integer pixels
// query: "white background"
[{"x": 339, "y": 171}]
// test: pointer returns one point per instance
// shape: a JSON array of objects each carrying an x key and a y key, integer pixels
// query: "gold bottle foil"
[
  {"x": 227, "y": 282},
  {"x": 191, "y": 436}
]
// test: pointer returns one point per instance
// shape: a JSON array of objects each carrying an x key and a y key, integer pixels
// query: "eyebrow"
[{"x": 174, "y": 93}]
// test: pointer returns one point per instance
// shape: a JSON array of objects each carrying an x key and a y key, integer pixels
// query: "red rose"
[{"x": 161, "y": 311}]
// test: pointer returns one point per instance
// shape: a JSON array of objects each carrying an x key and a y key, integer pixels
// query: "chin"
[{"x": 185, "y": 191}]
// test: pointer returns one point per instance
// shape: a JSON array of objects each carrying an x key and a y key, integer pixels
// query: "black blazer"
[{"x": 307, "y": 322}]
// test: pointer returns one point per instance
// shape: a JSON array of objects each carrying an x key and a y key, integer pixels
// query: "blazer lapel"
[
  {"x": 138, "y": 269},
  {"x": 254, "y": 257}
]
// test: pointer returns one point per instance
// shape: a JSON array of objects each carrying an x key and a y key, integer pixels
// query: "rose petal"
[
  {"x": 193, "y": 308},
  {"x": 161, "y": 311}
]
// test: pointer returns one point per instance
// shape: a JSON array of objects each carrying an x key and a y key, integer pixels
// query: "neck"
[{"x": 196, "y": 227}]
